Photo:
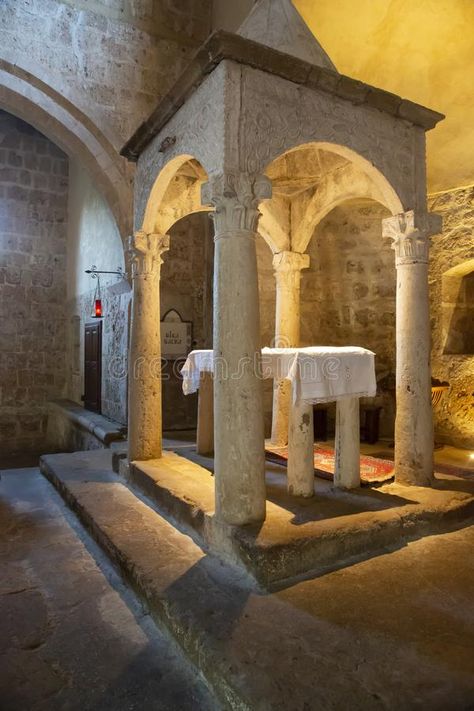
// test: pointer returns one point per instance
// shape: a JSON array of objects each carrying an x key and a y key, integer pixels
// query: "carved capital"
[
  {"x": 410, "y": 234},
  {"x": 235, "y": 198},
  {"x": 288, "y": 266},
  {"x": 290, "y": 261},
  {"x": 146, "y": 253}
]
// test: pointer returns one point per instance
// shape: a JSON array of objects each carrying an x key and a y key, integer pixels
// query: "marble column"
[
  {"x": 414, "y": 442},
  {"x": 144, "y": 381},
  {"x": 287, "y": 266},
  {"x": 238, "y": 404}
]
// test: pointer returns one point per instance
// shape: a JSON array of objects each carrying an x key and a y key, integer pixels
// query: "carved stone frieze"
[{"x": 279, "y": 115}]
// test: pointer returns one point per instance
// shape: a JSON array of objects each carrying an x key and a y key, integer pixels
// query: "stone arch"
[
  {"x": 390, "y": 197},
  {"x": 27, "y": 97},
  {"x": 175, "y": 194},
  {"x": 355, "y": 177}
]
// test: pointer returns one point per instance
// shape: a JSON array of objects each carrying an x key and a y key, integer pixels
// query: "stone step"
[
  {"x": 302, "y": 647},
  {"x": 303, "y": 536},
  {"x": 193, "y": 594}
]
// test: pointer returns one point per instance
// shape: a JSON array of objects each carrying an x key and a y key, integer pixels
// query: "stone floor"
[
  {"x": 72, "y": 636},
  {"x": 393, "y": 632}
]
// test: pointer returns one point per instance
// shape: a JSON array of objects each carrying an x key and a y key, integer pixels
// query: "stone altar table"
[{"x": 317, "y": 374}]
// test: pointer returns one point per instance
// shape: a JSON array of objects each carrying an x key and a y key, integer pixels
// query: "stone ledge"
[
  {"x": 103, "y": 429},
  {"x": 301, "y": 536},
  {"x": 186, "y": 590}
]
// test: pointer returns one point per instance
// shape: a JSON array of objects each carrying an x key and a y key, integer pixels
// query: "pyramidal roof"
[{"x": 278, "y": 24}]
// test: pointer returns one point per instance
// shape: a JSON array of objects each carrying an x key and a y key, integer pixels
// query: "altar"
[{"x": 316, "y": 374}]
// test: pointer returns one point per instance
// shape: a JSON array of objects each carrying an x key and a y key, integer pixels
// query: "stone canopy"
[
  {"x": 271, "y": 142},
  {"x": 277, "y": 24}
]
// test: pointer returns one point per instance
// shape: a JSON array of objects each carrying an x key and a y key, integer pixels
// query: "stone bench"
[{"x": 72, "y": 428}]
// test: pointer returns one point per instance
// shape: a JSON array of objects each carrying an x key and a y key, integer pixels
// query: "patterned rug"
[{"x": 372, "y": 470}]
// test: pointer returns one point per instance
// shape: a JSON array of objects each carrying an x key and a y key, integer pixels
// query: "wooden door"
[{"x": 93, "y": 366}]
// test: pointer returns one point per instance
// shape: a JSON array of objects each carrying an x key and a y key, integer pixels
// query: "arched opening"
[
  {"x": 185, "y": 288},
  {"x": 174, "y": 207},
  {"x": 50, "y": 113},
  {"x": 328, "y": 203},
  {"x": 54, "y": 224},
  {"x": 175, "y": 194},
  {"x": 349, "y": 290}
]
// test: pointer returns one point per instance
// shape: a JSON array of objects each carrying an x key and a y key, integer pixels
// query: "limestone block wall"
[
  {"x": 452, "y": 308},
  {"x": 33, "y": 213},
  {"x": 111, "y": 58},
  {"x": 186, "y": 286},
  {"x": 347, "y": 294}
]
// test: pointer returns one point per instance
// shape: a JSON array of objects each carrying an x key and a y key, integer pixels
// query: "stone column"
[
  {"x": 414, "y": 441},
  {"x": 287, "y": 266},
  {"x": 301, "y": 451},
  {"x": 205, "y": 423},
  {"x": 347, "y": 455},
  {"x": 238, "y": 404},
  {"x": 144, "y": 382}
]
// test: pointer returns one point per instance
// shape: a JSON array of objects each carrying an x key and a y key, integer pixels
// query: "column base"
[{"x": 413, "y": 477}]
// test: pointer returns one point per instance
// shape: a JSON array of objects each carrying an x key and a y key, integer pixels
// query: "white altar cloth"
[{"x": 318, "y": 373}]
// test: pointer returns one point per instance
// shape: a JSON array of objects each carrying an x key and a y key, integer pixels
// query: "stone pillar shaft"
[
  {"x": 301, "y": 451},
  {"x": 144, "y": 381},
  {"x": 347, "y": 445},
  {"x": 287, "y": 266},
  {"x": 414, "y": 441},
  {"x": 238, "y": 403},
  {"x": 205, "y": 424}
]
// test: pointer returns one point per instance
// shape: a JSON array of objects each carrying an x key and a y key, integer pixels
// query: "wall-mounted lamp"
[{"x": 97, "y": 300}]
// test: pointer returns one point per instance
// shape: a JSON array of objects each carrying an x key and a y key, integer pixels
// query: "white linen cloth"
[
  {"x": 317, "y": 373},
  {"x": 197, "y": 362}
]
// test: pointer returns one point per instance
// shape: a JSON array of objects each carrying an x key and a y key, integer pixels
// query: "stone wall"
[
  {"x": 86, "y": 73},
  {"x": 33, "y": 212},
  {"x": 347, "y": 294},
  {"x": 93, "y": 239},
  {"x": 111, "y": 58},
  {"x": 186, "y": 286},
  {"x": 452, "y": 304},
  {"x": 115, "y": 330}
]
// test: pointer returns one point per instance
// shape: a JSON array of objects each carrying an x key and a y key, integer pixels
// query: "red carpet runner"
[{"x": 372, "y": 470}]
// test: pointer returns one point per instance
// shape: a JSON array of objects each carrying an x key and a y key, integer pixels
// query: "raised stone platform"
[
  {"x": 368, "y": 632},
  {"x": 303, "y": 536}
]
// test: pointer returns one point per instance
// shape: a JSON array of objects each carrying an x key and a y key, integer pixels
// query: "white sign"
[{"x": 176, "y": 336}]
